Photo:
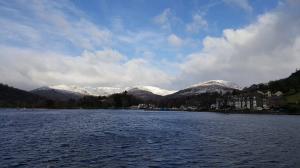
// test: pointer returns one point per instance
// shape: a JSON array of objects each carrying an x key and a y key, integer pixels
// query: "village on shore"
[{"x": 246, "y": 102}]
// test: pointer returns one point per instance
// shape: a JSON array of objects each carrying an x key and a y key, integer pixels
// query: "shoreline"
[{"x": 269, "y": 112}]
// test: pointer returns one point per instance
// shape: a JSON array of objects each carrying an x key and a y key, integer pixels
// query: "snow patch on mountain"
[
  {"x": 105, "y": 91},
  {"x": 223, "y": 83},
  {"x": 219, "y": 86},
  {"x": 94, "y": 91},
  {"x": 155, "y": 90}
]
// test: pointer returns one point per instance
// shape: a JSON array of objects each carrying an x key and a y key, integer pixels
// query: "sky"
[{"x": 170, "y": 44}]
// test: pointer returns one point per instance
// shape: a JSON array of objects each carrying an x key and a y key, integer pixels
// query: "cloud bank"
[
  {"x": 267, "y": 49},
  {"x": 38, "y": 53},
  {"x": 28, "y": 68}
]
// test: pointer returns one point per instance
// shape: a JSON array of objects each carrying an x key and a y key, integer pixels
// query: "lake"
[{"x": 125, "y": 138}]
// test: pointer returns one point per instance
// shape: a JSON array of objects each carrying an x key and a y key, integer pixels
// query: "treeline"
[
  {"x": 120, "y": 100},
  {"x": 289, "y": 85},
  {"x": 12, "y": 97},
  {"x": 201, "y": 101},
  {"x": 15, "y": 98}
]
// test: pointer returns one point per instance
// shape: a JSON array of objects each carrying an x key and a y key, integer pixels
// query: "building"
[
  {"x": 254, "y": 103},
  {"x": 250, "y": 101}
]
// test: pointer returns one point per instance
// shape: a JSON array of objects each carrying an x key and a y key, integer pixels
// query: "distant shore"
[
  {"x": 259, "y": 112},
  {"x": 271, "y": 112}
]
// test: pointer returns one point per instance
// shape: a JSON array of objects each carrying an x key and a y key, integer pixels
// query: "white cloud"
[
  {"x": 34, "y": 47},
  {"x": 15, "y": 32},
  {"x": 165, "y": 19},
  {"x": 243, "y": 4},
  {"x": 141, "y": 37},
  {"x": 175, "y": 40},
  {"x": 197, "y": 24},
  {"x": 265, "y": 50},
  {"x": 100, "y": 68},
  {"x": 48, "y": 21},
  {"x": 103, "y": 56},
  {"x": 79, "y": 31}
]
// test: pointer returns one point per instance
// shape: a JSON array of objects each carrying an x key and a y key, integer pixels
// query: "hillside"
[
  {"x": 200, "y": 96},
  {"x": 212, "y": 86},
  {"x": 290, "y": 87},
  {"x": 144, "y": 95},
  {"x": 12, "y": 97},
  {"x": 56, "y": 95}
]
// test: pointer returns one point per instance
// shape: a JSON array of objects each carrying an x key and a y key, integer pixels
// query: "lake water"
[{"x": 124, "y": 138}]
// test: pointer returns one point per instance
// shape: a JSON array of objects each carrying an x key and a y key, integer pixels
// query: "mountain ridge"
[
  {"x": 103, "y": 91},
  {"x": 200, "y": 96},
  {"x": 220, "y": 86}
]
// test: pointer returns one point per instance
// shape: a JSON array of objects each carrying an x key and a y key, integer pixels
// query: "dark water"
[{"x": 108, "y": 138}]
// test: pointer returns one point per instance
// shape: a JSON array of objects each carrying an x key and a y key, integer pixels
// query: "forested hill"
[
  {"x": 289, "y": 85},
  {"x": 12, "y": 97}
]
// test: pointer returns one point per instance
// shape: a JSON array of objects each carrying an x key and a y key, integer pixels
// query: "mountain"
[
  {"x": 149, "y": 93},
  {"x": 65, "y": 92},
  {"x": 211, "y": 86},
  {"x": 200, "y": 96},
  {"x": 56, "y": 94},
  {"x": 75, "y": 91},
  {"x": 143, "y": 94},
  {"x": 12, "y": 97},
  {"x": 92, "y": 91},
  {"x": 155, "y": 90},
  {"x": 290, "y": 87}
]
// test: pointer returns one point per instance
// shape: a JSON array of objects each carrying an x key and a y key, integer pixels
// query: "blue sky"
[
  {"x": 166, "y": 43},
  {"x": 138, "y": 16}
]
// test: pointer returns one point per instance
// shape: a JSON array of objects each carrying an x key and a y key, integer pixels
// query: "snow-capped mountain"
[
  {"x": 94, "y": 91},
  {"x": 219, "y": 86},
  {"x": 55, "y": 94},
  {"x": 149, "y": 92},
  {"x": 104, "y": 91},
  {"x": 155, "y": 90},
  {"x": 223, "y": 83}
]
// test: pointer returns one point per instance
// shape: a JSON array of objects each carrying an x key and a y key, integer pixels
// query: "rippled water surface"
[{"x": 121, "y": 138}]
